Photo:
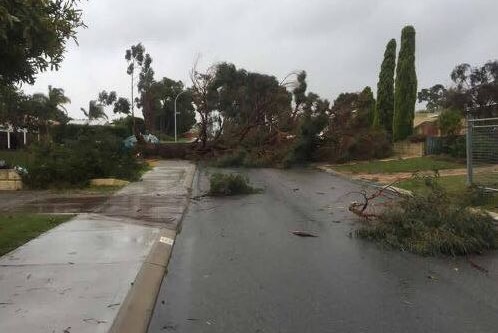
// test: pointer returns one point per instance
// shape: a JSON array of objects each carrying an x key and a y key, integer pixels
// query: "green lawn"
[
  {"x": 456, "y": 187},
  {"x": 15, "y": 157},
  {"x": 18, "y": 229},
  {"x": 425, "y": 163}
]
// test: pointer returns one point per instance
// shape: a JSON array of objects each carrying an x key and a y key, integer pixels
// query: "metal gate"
[{"x": 482, "y": 152}]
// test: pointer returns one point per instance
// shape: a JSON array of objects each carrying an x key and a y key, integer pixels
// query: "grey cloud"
[{"x": 340, "y": 43}]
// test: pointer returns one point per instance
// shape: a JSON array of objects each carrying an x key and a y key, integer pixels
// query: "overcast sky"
[{"x": 340, "y": 43}]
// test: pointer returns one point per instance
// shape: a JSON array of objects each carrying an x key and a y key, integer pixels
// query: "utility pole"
[
  {"x": 177, "y": 112},
  {"x": 133, "y": 101}
]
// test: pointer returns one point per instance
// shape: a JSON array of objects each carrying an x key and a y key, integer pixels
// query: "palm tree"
[
  {"x": 51, "y": 107},
  {"x": 95, "y": 111}
]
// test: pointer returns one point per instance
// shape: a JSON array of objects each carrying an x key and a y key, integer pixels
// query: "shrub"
[
  {"x": 234, "y": 159},
  {"x": 255, "y": 158},
  {"x": 229, "y": 184},
  {"x": 75, "y": 162},
  {"x": 365, "y": 144},
  {"x": 432, "y": 224},
  {"x": 63, "y": 133},
  {"x": 450, "y": 122},
  {"x": 456, "y": 146}
]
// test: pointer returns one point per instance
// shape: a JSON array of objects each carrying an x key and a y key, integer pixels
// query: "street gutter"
[{"x": 136, "y": 311}]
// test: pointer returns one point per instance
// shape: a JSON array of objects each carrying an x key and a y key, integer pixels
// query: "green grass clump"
[
  {"x": 222, "y": 184},
  {"x": 433, "y": 224},
  {"x": 18, "y": 229},
  {"x": 425, "y": 163}
]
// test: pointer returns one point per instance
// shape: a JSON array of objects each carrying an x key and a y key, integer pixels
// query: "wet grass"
[
  {"x": 18, "y": 229},
  {"x": 426, "y": 163},
  {"x": 456, "y": 187}
]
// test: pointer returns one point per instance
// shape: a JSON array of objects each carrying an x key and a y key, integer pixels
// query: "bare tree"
[{"x": 204, "y": 99}]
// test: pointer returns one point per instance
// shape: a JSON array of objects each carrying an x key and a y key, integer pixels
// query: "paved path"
[
  {"x": 236, "y": 268},
  {"x": 75, "y": 277}
]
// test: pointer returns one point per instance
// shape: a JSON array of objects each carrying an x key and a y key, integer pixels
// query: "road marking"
[{"x": 167, "y": 240}]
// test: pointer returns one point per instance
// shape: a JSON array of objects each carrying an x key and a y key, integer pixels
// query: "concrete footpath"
[{"x": 97, "y": 272}]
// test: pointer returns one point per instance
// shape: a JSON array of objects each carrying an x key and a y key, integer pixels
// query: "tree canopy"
[
  {"x": 33, "y": 36},
  {"x": 384, "y": 109},
  {"x": 405, "y": 91},
  {"x": 163, "y": 95}
]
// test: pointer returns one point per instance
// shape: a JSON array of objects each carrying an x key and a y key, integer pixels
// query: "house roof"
[
  {"x": 424, "y": 117},
  {"x": 93, "y": 122}
]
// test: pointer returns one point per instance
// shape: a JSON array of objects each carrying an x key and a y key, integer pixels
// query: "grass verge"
[
  {"x": 426, "y": 163},
  {"x": 456, "y": 187},
  {"x": 18, "y": 229}
]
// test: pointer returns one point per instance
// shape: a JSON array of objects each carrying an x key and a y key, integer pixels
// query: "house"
[
  {"x": 426, "y": 124},
  {"x": 11, "y": 138}
]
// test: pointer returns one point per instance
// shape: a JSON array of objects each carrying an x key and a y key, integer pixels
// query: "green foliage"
[
  {"x": 138, "y": 59},
  {"x": 366, "y": 145},
  {"x": 366, "y": 106},
  {"x": 230, "y": 160},
  {"x": 435, "y": 97},
  {"x": 476, "y": 87},
  {"x": 384, "y": 109},
  {"x": 45, "y": 108},
  {"x": 12, "y": 105},
  {"x": 76, "y": 161},
  {"x": 249, "y": 103},
  {"x": 299, "y": 92},
  {"x": 456, "y": 146},
  {"x": 33, "y": 36},
  {"x": 32, "y": 112},
  {"x": 95, "y": 111},
  {"x": 432, "y": 224},
  {"x": 18, "y": 157},
  {"x": 312, "y": 124},
  {"x": 163, "y": 94},
  {"x": 222, "y": 184},
  {"x": 405, "y": 95},
  {"x": 126, "y": 124},
  {"x": 450, "y": 122},
  {"x": 107, "y": 98},
  {"x": 122, "y": 105},
  {"x": 251, "y": 158},
  {"x": 61, "y": 134}
]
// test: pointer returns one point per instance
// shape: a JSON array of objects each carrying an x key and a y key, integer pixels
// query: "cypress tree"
[
  {"x": 366, "y": 105},
  {"x": 405, "y": 92},
  {"x": 384, "y": 109}
]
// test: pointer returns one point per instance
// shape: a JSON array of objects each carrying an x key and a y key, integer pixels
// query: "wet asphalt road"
[{"x": 236, "y": 268}]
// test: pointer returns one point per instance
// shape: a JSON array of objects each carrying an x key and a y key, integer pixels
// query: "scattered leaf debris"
[{"x": 303, "y": 233}]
